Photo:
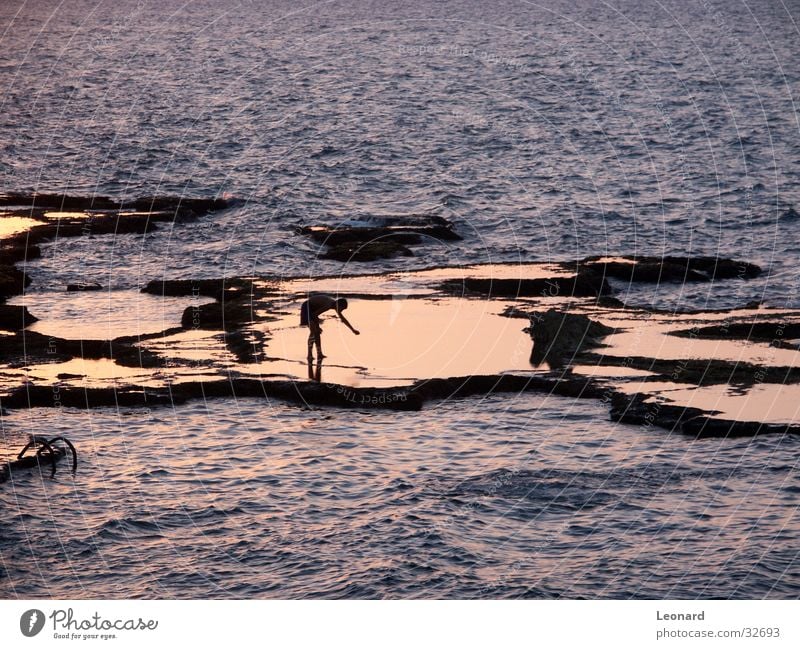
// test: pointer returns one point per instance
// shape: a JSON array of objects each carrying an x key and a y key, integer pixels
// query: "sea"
[{"x": 545, "y": 131}]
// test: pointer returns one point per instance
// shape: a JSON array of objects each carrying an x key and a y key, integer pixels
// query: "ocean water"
[
  {"x": 546, "y": 131},
  {"x": 505, "y": 496}
]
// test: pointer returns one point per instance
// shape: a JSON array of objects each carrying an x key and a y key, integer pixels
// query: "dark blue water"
[{"x": 545, "y": 131}]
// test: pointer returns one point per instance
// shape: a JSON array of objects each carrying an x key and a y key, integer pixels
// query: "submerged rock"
[{"x": 30, "y": 347}]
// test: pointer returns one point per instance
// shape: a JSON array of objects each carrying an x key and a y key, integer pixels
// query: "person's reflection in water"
[{"x": 315, "y": 371}]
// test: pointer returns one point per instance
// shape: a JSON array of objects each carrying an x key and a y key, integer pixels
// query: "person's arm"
[{"x": 343, "y": 319}]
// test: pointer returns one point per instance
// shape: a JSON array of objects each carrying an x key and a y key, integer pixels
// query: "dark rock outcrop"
[
  {"x": 227, "y": 314},
  {"x": 672, "y": 269},
  {"x": 12, "y": 281},
  {"x": 585, "y": 283},
  {"x": 643, "y": 410},
  {"x": 558, "y": 336},
  {"x": 411, "y": 228},
  {"x": 699, "y": 371},
  {"x": 307, "y": 393},
  {"x": 466, "y": 386},
  {"x": 774, "y": 332},
  {"x": 61, "y": 202},
  {"x": 379, "y": 237},
  {"x": 30, "y": 347},
  {"x": 13, "y": 318}
]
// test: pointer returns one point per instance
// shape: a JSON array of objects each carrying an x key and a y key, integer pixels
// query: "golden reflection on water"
[
  {"x": 404, "y": 339},
  {"x": 653, "y": 341},
  {"x": 11, "y": 225},
  {"x": 102, "y": 315},
  {"x": 769, "y": 403}
]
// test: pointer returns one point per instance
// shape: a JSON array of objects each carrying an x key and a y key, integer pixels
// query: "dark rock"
[
  {"x": 700, "y": 371},
  {"x": 585, "y": 283},
  {"x": 609, "y": 302},
  {"x": 133, "y": 356},
  {"x": 672, "y": 269},
  {"x": 30, "y": 347},
  {"x": 790, "y": 215},
  {"x": 702, "y": 426},
  {"x": 14, "y": 318},
  {"x": 84, "y": 287},
  {"x": 368, "y": 251},
  {"x": 558, "y": 336},
  {"x": 353, "y": 236},
  {"x": 301, "y": 392},
  {"x": 381, "y": 237},
  {"x": 12, "y": 281},
  {"x": 60, "y": 202},
  {"x": 642, "y": 410},
  {"x": 769, "y": 331},
  {"x": 465, "y": 386},
  {"x": 229, "y": 314},
  {"x": 198, "y": 206}
]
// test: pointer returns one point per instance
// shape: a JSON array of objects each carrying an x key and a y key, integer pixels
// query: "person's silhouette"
[
  {"x": 310, "y": 311},
  {"x": 315, "y": 372}
]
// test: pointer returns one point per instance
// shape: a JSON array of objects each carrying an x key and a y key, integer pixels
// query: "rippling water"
[
  {"x": 545, "y": 131},
  {"x": 522, "y": 496}
]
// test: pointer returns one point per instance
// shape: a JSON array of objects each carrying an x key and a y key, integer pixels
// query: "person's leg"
[
  {"x": 317, "y": 329},
  {"x": 310, "y": 342}
]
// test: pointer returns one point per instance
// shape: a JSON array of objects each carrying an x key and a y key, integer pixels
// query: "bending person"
[{"x": 311, "y": 310}]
